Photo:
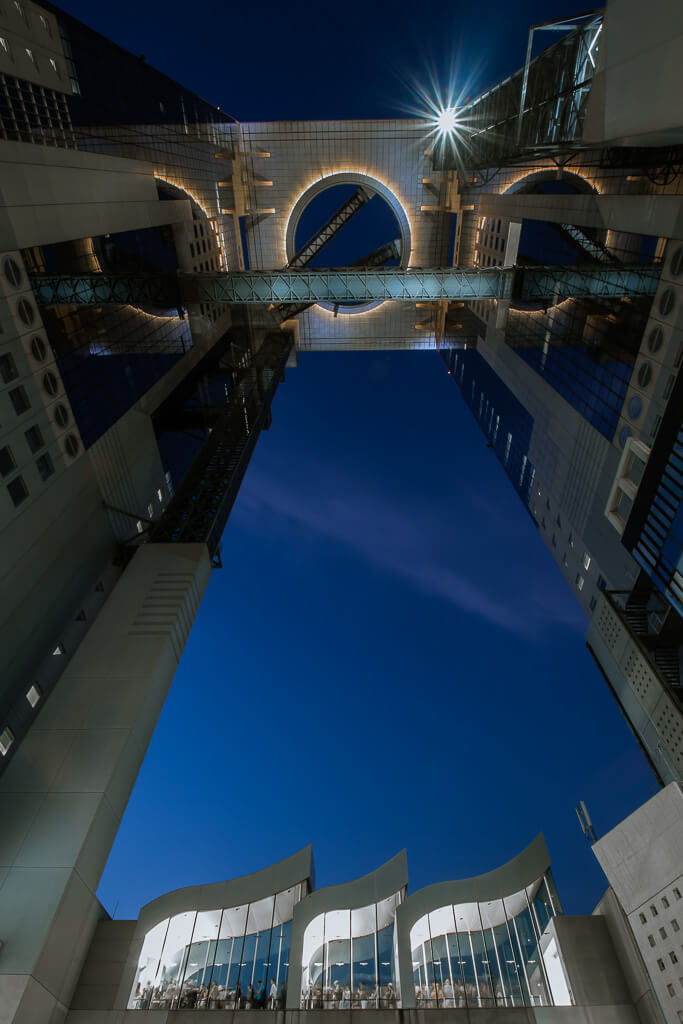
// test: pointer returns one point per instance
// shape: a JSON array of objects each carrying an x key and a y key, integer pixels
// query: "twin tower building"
[{"x": 154, "y": 286}]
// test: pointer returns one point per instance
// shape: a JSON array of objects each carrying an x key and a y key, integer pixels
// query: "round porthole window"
[
  {"x": 655, "y": 339},
  {"x": 26, "y": 312},
  {"x": 38, "y": 349},
  {"x": 624, "y": 435},
  {"x": 50, "y": 383},
  {"x": 644, "y": 375},
  {"x": 667, "y": 302},
  {"x": 71, "y": 445},
  {"x": 12, "y": 271},
  {"x": 677, "y": 262},
  {"x": 61, "y": 415},
  {"x": 635, "y": 407}
]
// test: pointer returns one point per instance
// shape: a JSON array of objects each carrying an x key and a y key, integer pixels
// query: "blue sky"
[{"x": 389, "y": 657}]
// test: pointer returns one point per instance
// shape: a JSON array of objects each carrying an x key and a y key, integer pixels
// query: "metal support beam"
[
  {"x": 200, "y": 507},
  {"x": 334, "y": 225}
]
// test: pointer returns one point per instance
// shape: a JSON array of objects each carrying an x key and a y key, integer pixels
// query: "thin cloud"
[{"x": 410, "y": 540}]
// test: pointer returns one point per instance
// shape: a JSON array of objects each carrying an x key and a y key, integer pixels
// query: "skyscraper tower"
[{"x": 153, "y": 288}]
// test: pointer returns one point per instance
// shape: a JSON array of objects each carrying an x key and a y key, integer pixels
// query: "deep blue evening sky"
[{"x": 389, "y": 657}]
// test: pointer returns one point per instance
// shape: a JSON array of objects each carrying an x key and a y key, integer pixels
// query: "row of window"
[
  {"x": 662, "y": 932},
  {"x": 21, "y": 11},
  {"x": 7, "y": 48},
  {"x": 665, "y": 905},
  {"x": 34, "y": 113}
]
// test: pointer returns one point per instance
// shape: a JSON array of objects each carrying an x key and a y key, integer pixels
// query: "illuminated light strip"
[{"x": 504, "y": 189}]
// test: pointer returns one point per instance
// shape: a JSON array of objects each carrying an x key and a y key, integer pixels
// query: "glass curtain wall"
[
  {"x": 234, "y": 958},
  {"x": 349, "y": 959},
  {"x": 484, "y": 954}
]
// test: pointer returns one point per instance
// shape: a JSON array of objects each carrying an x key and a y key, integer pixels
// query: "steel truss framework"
[
  {"x": 334, "y": 225},
  {"x": 200, "y": 507},
  {"x": 275, "y": 287}
]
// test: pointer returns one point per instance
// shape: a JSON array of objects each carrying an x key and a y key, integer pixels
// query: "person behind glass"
[
  {"x": 448, "y": 993},
  {"x": 362, "y": 996},
  {"x": 346, "y": 997},
  {"x": 250, "y": 997},
  {"x": 318, "y": 997},
  {"x": 272, "y": 995},
  {"x": 419, "y": 997},
  {"x": 390, "y": 997},
  {"x": 259, "y": 995},
  {"x": 337, "y": 993}
]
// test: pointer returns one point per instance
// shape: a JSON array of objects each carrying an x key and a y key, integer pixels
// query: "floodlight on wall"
[{"x": 447, "y": 120}]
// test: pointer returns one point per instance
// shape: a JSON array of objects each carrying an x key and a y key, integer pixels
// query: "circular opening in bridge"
[{"x": 377, "y": 233}]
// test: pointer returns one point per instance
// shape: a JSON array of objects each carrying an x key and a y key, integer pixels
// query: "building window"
[
  {"x": 12, "y": 271},
  {"x": 30, "y": 55},
  {"x": 45, "y": 23},
  {"x": 71, "y": 445},
  {"x": 4, "y": 45},
  {"x": 665, "y": 903},
  {"x": 593, "y": 602},
  {"x": 586, "y": 560},
  {"x": 50, "y": 384},
  {"x": 674, "y": 925},
  {"x": 61, "y": 415},
  {"x": 571, "y": 540},
  {"x": 53, "y": 65},
  {"x": 18, "y": 491},
  {"x": 554, "y": 541},
  {"x": 46, "y": 466},
  {"x": 660, "y": 964},
  {"x": 673, "y": 958},
  {"x": 19, "y": 400},
  {"x": 160, "y": 495},
  {"x": 602, "y": 582},
  {"x": 677, "y": 893},
  {"x": 564, "y": 559},
  {"x": 579, "y": 582},
  {"x": 547, "y": 504},
  {"x": 662, "y": 933},
  {"x": 150, "y": 511},
  {"x": 34, "y": 439},
  {"x": 642, "y": 918},
  {"x": 653, "y": 910},
  {"x": 670, "y": 990},
  {"x": 33, "y": 695},
  {"x": 8, "y": 368},
  {"x": 81, "y": 617},
  {"x": 651, "y": 939},
  {"x": 7, "y": 461},
  {"x": 6, "y": 740}
]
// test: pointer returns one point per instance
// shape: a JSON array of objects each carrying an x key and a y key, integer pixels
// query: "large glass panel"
[
  {"x": 539, "y": 898},
  {"x": 457, "y": 978},
  {"x": 284, "y": 963},
  {"x": 531, "y": 959},
  {"x": 166, "y": 993},
  {"x": 312, "y": 964},
  {"x": 148, "y": 966},
  {"x": 481, "y": 964},
  {"x": 385, "y": 955},
  {"x": 518, "y": 958},
  {"x": 464, "y": 920},
  {"x": 200, "y": 959},
  {"x": 337, "y": 957},
  {"x": 506, "y": 959},
  {"x": 260, "y": 921},
  {"x": 246, "y": 979},
  {"x": 227, "y": 993},
  {"x": 441, "y": 924},
  {"x": 421, "y": 951}
]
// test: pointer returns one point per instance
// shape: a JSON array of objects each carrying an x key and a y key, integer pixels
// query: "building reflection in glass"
[
  {"x": 349, "y": 957},
  {"x": 234, "y": 958},
  {"x": 484, "y": 954}
]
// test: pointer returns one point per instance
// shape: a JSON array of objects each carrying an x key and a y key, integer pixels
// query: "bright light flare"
[{"x": 447, "y": 120}]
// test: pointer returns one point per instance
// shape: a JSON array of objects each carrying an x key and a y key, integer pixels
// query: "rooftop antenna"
[{"x": 585, "y": 822}]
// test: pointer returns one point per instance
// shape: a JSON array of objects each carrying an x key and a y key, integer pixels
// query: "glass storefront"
[
  {"x": 233, "y": 958},
  {"x": 484, "y": 954},
  {"x": 349, "y": 959}
]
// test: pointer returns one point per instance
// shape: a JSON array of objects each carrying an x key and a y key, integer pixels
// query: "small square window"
[
  {"x": 602, "y": 582},
  {"x": 642, "y": 918},
  {"x": 160, "y": 495},
  {"x": 547, "y": 504},
  {"x": 34, "y": 439},
  {"x": 4, "y": 45},
  {"x": 46, "y": 466},
  {"x": 660, "y": 964},
  {"x": 150, "y": 511},
  {"x": 571, "y": 540},
  {"x": 677, "y": 893},
  {"x": 8, "y": 368},
  {"x": 670, "y": 990},
  {"x": 99, "y": 587},
  {"x": 651, "y": 939},
  {"x": 81, "y": 617},
  {"x": 579, "y": 582},
  {"x": 18, "y": 491},
  {"x": 6, "y": 740},
  {"x": 673, "y": 958},
  {"x": 7, "y": 461},
  {"x": 33, "y": 695},
  {"x": 559, "y": 522},
  {"x": 675, "y": 925},
  {"x": 564, "y": 559},
  {"x": 586, "y": 560},
  {"x": 19, "y": 400},
  {"x": 662, "y": 933},
  {"x": 653, "y": 910},
  {"x": 53, "y": 65},
  {"x": 30, "y": 55},
  {"x": 593, "y": 602},
  {"x": 139, "y": 526},
  {"x": 665, "y": 903}
]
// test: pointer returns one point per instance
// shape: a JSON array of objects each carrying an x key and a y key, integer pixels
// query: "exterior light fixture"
[{"x": 446, "y": 120}]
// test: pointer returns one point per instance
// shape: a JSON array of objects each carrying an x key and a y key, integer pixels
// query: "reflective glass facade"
[
  {"x": 234, "y": 958},
  {"x": 484, "y": 954},
  {"x": 349, "y": 959},
  {"x": 501, "y": 416}
]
